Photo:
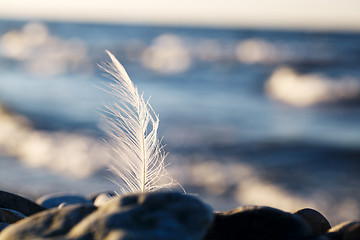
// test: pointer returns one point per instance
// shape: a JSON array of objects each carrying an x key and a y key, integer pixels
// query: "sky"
[{"x": 304, "y": 14}]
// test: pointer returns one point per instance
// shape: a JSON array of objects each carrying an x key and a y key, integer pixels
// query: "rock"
[
  {"x": 64, "y": 199},
  {"x": 19, "y": 204},
  {"x": 10, "y": 216},
  {"x": 339, "y": 231},
  {"x": 92, "y": 197},
  {"x": 353, "y": 232},
  {"x": 160, "y": 216},
  {"x": 258, "y": 223},
  {"x": 101, "y": 199},
  {"x": 317, "y": 222},
  {"x": 3, "y": 225},
  {"x": 49, "y": 224}
]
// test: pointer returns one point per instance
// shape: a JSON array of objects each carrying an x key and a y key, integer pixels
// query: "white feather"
[{"x": 131, "y": 124}]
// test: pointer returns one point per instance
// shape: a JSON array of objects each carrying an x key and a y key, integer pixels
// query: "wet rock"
[
  {"x": 340, "y": 231},
  {"x": 19, "y": 204},
  {"x": 317, "y": 222},
  {"x": 258, "y": 223},
  {"x": 48, "y": 224},
  {"x": 161, "y": 216},
  {"x": 10, "y": 216},
  {"x": 64, "y": 199}
]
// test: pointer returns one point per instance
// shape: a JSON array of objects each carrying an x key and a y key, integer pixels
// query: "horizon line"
[{"x": 195, "y": 24}]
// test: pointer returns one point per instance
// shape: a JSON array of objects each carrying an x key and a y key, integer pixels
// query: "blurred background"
[{"x": 259, "y": 102}]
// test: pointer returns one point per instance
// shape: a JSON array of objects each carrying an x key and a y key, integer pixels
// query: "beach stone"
[
  {"x": 339, "y": 231},
  {"x": 101, "y": 199},
  {"x": 10, "y": 216},
  {"x": 160, "y": 216},
  {"x": 49, "y": 224},
  {"x": 258, "y": 223},
  {"x": 64, "y": 199},
  {"x": 19, "y": 204},
  {"x": 353, "y": 232},
  {"x": 317, "y": 222},
  {"x": 92, "y": 197},
  {"x": 3, "y": 225}
]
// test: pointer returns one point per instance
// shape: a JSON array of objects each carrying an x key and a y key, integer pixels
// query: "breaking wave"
[{"x": 309, "y": 89}]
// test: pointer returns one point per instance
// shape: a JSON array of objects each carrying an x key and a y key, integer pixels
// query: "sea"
[{"x": 247, "y": 116}]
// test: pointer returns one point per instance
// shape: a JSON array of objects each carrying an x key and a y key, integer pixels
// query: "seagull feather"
[{"x": 131, "y": 124}]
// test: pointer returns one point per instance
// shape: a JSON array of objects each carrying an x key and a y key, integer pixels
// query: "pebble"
[
  {"x": 101, "y": 199},
  {"x": 49, "y": 224},
  {"x": 157, "y": 215},
  {"x": 258, "y": 223},
  {"x": 343, "y": 231},
  {"x": 317, "y": 222},
  {"x": 160, "y": 216},
  {"x": 353, "y": 232},
  {"x": 10, "y": 216},
  {"x": 3, "y": 225},
  {"x": 61, "y": 199},
  {"x": 92, "y": 197},
  {"x": 19, "y": 204}
]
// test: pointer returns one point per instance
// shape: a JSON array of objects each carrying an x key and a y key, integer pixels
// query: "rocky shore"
[{"x": 159, "y": 215}]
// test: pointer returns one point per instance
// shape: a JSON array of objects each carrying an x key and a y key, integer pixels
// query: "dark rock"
[
  {"x": 20, "y": 204},
  {"x": 258, "y": 223},
  {"x": 10, "y": 216},
  {"x": 334, "y": 236},
  {"x": 3, "y": 225},
  {"x": 160, "y": 216},
  {"x": 55, "y": 200},
  {"x": 48, "y": 224},
  {"x": 317, "y": 222},
  {"x": 339, "y": 231},
  {"x": 353, "y": 232}
]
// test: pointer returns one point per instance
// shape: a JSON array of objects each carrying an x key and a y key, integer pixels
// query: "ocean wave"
[
  {"x": 66, "y": 153},
  {"x": 226, "y": 184},
  {"x": 170, "y": 53},
  {"x": 309, "y": 89},
  {"x": 41, "y": 53},
  {"x": 261, "y": 51},
  {"x": 167, "y": 54},
  {"x": 221, "y": 181}
]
